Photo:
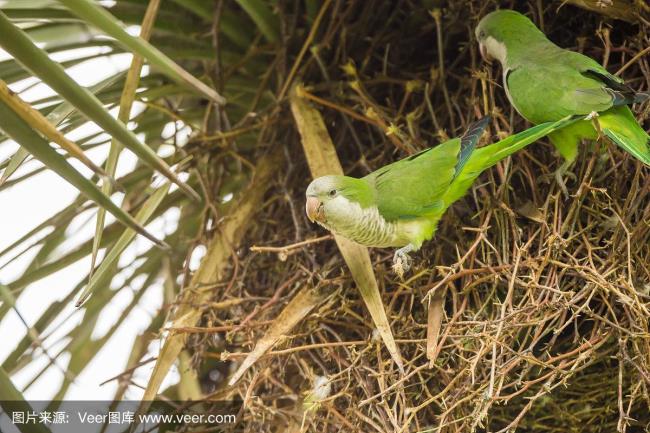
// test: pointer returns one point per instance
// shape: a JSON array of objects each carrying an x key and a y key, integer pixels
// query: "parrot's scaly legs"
[
  {"x": 402, "y": 261},
  {"x": 560, "y": 173}
]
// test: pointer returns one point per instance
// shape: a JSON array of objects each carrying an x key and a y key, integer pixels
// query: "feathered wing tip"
[
  {"x": 621, "y": 93},
  {"x": 475, "y": 129},
  {"x": 620, "y": 126},
  {"x": 469, "y": 140},
  {"x": 627, "y": 98}
]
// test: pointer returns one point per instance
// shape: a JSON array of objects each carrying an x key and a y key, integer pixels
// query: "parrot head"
[
  {"x": 333, "y": 201},
  {"x": 501, "y": 31}
]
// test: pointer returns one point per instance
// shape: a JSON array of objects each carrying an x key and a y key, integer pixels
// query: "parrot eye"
[
  {"x": 332, "y": 193},
  {"x": 481, "y": 34}
]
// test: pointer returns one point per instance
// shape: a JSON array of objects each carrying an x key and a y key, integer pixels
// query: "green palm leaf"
[
  {"x": 12, "y": 401},
  {"x": 16, "y": 42},
  {"x": 15, "y": 127},
  {"x": 96, "y": 15}
]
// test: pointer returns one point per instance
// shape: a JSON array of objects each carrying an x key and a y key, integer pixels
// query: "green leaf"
[
  {"x": 65, "y": 109},
  {"x": 200, "y": 8},
  {"x": 92, "y": 13},
  {"x": 15, "y": 127},
  {"x": 12, "y": 400},
  {"x": 56, "y": 116},
  {"x": 33, "y": 14},
  {"x": 126, "y": 104},
  {"x": 14, "y": 163},
  {"x": 54, "y": 35},
  {"x": 266, "y": 21},
  {"x": 143, "y": 216},
  {"x": 234, "y": 27},
  {"x": 39, "y": 123},
  {"x": 15, "y": 42}
]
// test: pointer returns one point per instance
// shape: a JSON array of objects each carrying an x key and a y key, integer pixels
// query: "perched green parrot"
[
  {"x": 545, "y": 83},
  {"x": 400, "y": 204}
]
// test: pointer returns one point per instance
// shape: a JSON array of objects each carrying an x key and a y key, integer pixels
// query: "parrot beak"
[
  {"x": 313, "y": 207},
  {"x": 484, "y": 53}
]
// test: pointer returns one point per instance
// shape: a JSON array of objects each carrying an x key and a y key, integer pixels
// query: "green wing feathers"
[
  {"x": 413, "y": 187},
  {"x": 620, "y": 126}
]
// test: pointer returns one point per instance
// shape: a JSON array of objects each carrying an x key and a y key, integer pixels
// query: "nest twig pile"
[{"x": 537, "y": 304}]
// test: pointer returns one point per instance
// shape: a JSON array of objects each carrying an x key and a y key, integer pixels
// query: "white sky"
[{"x": 27, "y": 204}]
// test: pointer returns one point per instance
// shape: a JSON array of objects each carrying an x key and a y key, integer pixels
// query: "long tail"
[
  {"x": 620, "y": 126},
  {"x": 487, "y": 156}
]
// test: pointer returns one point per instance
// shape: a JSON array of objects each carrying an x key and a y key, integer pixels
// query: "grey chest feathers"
[{"x": 364, "y": 226}]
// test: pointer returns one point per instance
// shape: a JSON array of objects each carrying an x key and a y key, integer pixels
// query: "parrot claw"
[
  {"x": 401, "y": 265},
  {"x": 560, "y": 182},
  {"x": 402, "y": 261},
  {"x": 559, "y": 175}
]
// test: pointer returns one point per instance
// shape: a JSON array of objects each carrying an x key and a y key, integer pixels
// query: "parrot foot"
[
  {"x": 402, "y": 261},
  {"x": 560, "y": 174}
]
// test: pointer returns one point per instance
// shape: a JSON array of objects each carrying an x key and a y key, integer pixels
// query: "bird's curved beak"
[
  {"x": 484, "y": 53},
  {"x": 313, "y": 207}
]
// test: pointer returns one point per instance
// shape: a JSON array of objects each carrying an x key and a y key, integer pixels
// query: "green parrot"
[
  {"x": 544, "y": 83},
  {"x": 400, "y": 204}
]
